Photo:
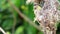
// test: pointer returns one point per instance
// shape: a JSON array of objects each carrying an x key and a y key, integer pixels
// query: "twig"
[
  {"x": 14, "y": 22},
  {"x": 23, "y": 16},
  {"x": 2, "y": 31}
]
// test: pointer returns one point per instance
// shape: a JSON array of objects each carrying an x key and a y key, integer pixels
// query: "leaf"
[
  {"x": 7, "y": 24},
  {"x": 19, "y": 30},
  {"x": 8, "y": 32}
]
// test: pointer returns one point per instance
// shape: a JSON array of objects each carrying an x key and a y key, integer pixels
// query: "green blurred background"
[{"x": 12, "y": 23}]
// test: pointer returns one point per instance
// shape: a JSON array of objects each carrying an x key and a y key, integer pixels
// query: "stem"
[{"x": 2, "y": 31}]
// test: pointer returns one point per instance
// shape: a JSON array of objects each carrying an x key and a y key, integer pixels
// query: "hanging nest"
[{"x": 47, "y": 16}]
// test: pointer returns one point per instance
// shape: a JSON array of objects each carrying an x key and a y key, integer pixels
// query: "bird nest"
[{"x": 47, "y": 16}]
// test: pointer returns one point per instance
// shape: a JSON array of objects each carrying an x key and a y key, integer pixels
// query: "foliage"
[{"x": 8, "y": 16}]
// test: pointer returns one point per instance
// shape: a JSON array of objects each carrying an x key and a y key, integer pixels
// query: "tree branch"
[{"x": 23, "y": 16}]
